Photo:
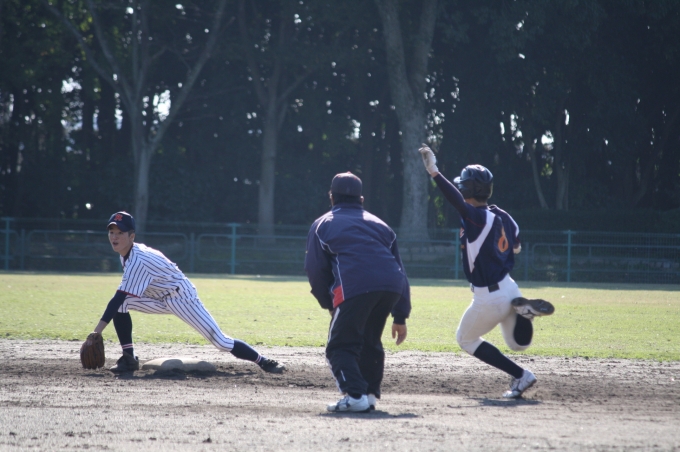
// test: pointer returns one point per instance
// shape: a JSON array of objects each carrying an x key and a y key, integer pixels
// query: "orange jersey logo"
[{"x": 503, "y": 241}]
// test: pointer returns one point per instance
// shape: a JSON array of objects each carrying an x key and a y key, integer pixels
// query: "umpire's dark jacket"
[{"x": 351, "y": 252}]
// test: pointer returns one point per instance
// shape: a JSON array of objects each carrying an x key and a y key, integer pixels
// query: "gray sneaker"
[
  {"x": 126, "y": 363},
  {"x": 532, "y": 308},
  {"x": 348, "y": 404},
  {"x": 519, "y": 385},
  {"x": 372, "y": 401}
]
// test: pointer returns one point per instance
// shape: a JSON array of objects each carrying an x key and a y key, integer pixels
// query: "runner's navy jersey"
[{"x": 488, "y": 236}]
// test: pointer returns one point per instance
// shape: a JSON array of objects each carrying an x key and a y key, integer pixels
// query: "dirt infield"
[{"x": 431, "y": 401}]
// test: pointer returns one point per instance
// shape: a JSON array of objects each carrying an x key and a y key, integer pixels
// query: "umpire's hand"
[{"x": 399, "y": 331}]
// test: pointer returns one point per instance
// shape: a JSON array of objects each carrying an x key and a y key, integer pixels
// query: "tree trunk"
[
  {"x": 537, "y": 176},
  {"x": 106, "y": 120},
  {"x": 561, "y": 164},
  {"x": 367, "y": 155},
  {"x": 12, "y": 193},
  {"x": 368, "y": 144},
  {"x": 2, "y": 31},
  {"x": 272, "y": 92},
  {"x": 132, "y": 91},
  {"x": 88, "y": 114},
  {"x": 657, "y": 157},
  {"x": 562, "y": 176},
  {"x": 142, "y": 151},
  {"x": 530, "y": 147},
  {"x": 142, "y": 190},
  {"x": 268, "y": 173},
  {"x": 407, "y": 88},
  {"x": 413, "y": 224}
]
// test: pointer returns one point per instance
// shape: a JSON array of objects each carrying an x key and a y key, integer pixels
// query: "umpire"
[{"x": 355, "y": 272}]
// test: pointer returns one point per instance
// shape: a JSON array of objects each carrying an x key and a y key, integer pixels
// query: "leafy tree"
[
  {"x": 283, "y": 44},
  {"x": 36, "y": 57},
  {"x": 407, "y": 70},
  {"x": 130, "y": 47},
  {"x": 650, "y": 45}
]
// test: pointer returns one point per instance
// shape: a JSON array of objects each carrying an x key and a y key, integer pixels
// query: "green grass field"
[{"x": 593, "y": 320}]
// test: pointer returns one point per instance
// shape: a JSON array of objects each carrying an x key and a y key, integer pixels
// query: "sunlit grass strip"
[{"x": 594, "y": 320}]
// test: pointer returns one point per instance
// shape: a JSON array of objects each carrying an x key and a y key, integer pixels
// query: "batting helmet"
[{"x": 475, "y": 181}]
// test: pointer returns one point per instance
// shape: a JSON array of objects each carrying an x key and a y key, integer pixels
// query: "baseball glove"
[{"x": 92, "y": 352}]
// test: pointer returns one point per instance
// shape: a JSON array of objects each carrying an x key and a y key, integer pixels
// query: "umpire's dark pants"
[{"x": 354, "y": 350}]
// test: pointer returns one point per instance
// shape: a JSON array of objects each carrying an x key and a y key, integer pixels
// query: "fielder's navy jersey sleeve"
[{"x": 113, "y": 306}]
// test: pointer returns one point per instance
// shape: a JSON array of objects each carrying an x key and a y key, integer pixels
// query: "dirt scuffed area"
[{"x": 431, "y": 402}]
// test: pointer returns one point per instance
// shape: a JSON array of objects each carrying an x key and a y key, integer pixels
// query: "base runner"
[
  {"x": 489, "y": 241},
  {"x": 152, "y": 284}
]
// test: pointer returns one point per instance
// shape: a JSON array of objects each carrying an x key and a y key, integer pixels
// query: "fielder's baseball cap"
[
  {"x": 346, "y": 184},
  {"x": 123, "y": 220}
]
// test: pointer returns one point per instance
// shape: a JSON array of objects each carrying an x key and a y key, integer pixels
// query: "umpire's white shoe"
[
  {"x": 532, "y": 308},
  {"x": 349, "y": 404},
  {"x": 521, "y": 384},
  {"x": 372, "y": 401}
]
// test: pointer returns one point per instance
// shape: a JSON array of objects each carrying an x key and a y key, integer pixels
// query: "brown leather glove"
[{"x": 92, "y": 352}]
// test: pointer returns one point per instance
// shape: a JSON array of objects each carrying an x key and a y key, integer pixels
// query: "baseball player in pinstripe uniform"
[
  {"x": 154, "y": 285},
  {"x": 489, "y": 241}
]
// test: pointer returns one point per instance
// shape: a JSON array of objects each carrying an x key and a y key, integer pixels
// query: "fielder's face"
[{"x": 121, "y": 242}]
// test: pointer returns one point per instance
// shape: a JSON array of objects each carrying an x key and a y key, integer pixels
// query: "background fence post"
[
  {"x": 22, "y": 249},
  {"x": 7, "y": 221},
  {"x": 191, "y": 252},
  {"x": 526, "y": 261},
  {"x": 233, "y": 248},
  {"x": 456, "y": 244},
  {"x": 569, "y": 233}
]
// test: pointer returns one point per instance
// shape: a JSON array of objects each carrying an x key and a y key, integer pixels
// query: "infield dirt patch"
[{"x": 431, "y": 401}]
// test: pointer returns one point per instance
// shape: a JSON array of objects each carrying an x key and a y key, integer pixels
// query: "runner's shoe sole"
[{"x": 532, "y": 308}]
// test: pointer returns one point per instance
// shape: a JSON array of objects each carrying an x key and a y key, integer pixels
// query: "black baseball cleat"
[
  {"x": 126, "y": 363},
  {"x": 532, "y": 308},
  {"x": 271, "y": 366}
]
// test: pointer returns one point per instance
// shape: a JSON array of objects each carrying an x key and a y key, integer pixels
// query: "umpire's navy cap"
[
  {"x": 346, "y": 184},
  {"x": 123, "y": 220}
]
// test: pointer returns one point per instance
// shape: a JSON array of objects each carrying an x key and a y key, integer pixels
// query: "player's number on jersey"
[{"x": 503, "y": 241}]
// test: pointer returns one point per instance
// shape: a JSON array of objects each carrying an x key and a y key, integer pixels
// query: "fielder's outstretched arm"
[{"x": 111, "y": 309}]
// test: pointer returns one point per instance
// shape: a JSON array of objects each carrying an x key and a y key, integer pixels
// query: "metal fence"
[{"x": 555, "y": 256}]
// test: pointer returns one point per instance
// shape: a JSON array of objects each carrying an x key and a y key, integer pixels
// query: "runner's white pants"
[{"x": 489, "y": 309}]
